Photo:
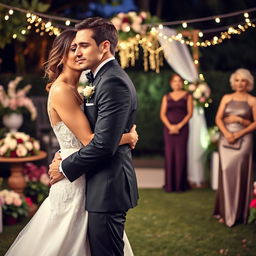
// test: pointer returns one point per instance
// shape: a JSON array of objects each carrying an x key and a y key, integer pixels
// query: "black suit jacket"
[{"x": 110, "y": 177}]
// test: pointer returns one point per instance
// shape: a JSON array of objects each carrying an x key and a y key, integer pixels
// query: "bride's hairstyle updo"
[{"x": 60, "y": 48}]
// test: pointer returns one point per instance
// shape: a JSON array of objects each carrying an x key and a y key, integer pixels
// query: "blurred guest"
[
  {"x": 176, "y": 110},
  {"x": 236, "y": 118}
]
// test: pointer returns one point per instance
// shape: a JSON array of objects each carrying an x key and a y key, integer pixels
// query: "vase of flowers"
[
  {"x": 14, "y": 103},
  {"x": 19, "y": 144},
  {"x": 14, "y": 207},
  {"x": 13, "y": 121},
  {"x": 38, "y": 182}
]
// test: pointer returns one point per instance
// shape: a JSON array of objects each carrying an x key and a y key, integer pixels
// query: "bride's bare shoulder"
[{"x": 60, "y": 88}]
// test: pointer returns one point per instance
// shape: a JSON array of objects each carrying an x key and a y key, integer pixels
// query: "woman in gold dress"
[{"x": 236, "y": 119}]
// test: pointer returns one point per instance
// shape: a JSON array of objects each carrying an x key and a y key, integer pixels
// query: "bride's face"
[{"x": 70, "y": 60}]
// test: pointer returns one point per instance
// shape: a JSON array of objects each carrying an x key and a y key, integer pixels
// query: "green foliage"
[
  {"x": 16, "y": 211},
  {"x": 252, "y": 216},
  {"x": 36, "y": 190},
  {"x": 17, "y": 21}
]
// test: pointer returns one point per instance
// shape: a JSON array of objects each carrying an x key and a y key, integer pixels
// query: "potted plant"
[
  {"x": 14, "y": 207},
  {"x": 252, "y": 215},
  {"x": 38, "y": 182}
]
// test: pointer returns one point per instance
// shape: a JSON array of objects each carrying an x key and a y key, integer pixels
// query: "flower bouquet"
[
  {"x": 18, "y": 144},
  {"x": 16, "y": 101},
  {"x": 200, "y": 92},
  {"x": 38, "y": 182},
  {"x": 252, "y": 215},
  {"x": 14, "y": 206}
]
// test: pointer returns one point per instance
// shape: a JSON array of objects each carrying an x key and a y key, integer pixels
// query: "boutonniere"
[{"x": 88, "y": 91}]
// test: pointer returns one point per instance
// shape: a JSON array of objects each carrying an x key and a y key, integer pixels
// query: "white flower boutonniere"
[{"x": 88, "y": 91}]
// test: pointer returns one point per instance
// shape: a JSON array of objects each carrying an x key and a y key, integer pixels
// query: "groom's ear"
[{"x": 105, "y": 46}]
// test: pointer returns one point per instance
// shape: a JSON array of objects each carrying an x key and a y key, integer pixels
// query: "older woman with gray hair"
[{"x": 236, "y": 119}]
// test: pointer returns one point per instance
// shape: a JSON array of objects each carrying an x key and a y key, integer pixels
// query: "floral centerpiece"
[
  {"x": 14, "y": 206},
  {"x": 200, "y": 92},
  {"x": 252, "y": 215},
  {"x": 18, "y": 144},
  {"x": 16, "y": 101},
  {"x": 131, "y": 23},
  {"x": 38, "y": 182}
]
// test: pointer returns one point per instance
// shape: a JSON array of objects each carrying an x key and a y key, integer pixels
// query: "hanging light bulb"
[
  {"x": 67, "y": 22},
  {"x": 200, "y": 34},
  {"x": 217, "y": 20},
  {"x": 184, "y": 25},
  {"x": 6, "y": 17},
  {"x": 11, "y": 12}
]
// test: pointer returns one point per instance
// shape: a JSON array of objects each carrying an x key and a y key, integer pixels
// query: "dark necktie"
[{"x": 90, "y": 77}]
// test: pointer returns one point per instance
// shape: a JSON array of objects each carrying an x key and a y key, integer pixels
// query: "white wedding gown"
[{"x": 59, "y": 227}]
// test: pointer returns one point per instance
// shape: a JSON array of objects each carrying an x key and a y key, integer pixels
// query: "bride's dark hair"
[{"x": 60, "y": 48}]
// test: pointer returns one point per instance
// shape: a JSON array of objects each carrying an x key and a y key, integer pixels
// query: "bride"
[{"x": 59, "y": 227}]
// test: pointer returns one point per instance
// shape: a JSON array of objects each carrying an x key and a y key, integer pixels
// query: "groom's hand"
[{"x": 54, "y": 173}]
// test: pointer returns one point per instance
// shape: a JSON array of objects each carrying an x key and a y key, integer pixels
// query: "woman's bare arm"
[{"x": 67, "y": 107}]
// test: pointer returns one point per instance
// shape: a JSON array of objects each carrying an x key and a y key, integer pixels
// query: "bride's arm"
[{"x": 65, "y": 104}]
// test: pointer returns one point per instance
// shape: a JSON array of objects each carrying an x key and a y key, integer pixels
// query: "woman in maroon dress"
[{"x": 176, "y": 110}]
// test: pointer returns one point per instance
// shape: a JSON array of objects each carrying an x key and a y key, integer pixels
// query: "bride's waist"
[{"x": 65, "y": 152}]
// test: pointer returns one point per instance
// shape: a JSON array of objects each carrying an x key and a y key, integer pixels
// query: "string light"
[
  {"x": 6, "y": 17},
  {"x": 67, "y": 22},
  {"x": 14, "y": 36},
  {"x": 217, "y": 20},
  {"x": 200, "y": 34},
  {"x": 184, "y": 25},
  {"x": 11, "y": 12},
  {"x": 23, "y": 31}
]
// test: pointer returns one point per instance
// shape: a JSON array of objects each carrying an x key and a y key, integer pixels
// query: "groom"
[{"x": 111, "y": 181}]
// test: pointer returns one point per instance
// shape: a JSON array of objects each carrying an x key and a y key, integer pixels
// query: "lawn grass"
[{"x": 175, "y": 224}]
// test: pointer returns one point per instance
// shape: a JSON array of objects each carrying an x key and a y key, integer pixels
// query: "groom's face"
[{"x": 88, "y": 53}]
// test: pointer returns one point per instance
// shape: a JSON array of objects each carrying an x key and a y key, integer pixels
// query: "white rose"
[
  {"x": 197, "y": 94},
  {"x": 143, "y": 15},
  {"x": 191, "y": 87},
  {"x": 29, "y": 145},
  {"x": 21, "y": 151},
  {"x": 36, "y": 145},
  {"x": 3, "y": 150},
  {"x": 125, "y": 27},
  {"x": 12, "y": 144},
  {"x": 132, "y": 14},
  {"x": 136, "y": 27},
  {"x": 88, "y": 91}
]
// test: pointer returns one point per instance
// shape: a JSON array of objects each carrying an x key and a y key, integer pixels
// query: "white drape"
[{"x": 179, "y": 58}]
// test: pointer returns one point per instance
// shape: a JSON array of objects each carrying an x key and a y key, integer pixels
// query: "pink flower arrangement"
[
  {"x": 38, "y": 182},
  {"x": 252, "y": 215},
  {"x": 13, "y": 101},
  {"x": 125, "y": 22},
  {"x": 33, "y": 172},
  {"x": 13, "y": 204},
  {"x": 18, "y": 144},
  {"x": 200, "y": 92}
]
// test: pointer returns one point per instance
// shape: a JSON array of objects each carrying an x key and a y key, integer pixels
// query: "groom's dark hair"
[{"x": 103, "y": 29}]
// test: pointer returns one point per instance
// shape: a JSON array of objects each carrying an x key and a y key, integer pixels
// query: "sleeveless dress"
[
  {"x": 59, "y": 227},
  {"x": 235, "y": 171},
  {"x": 176, "y": 147}
]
